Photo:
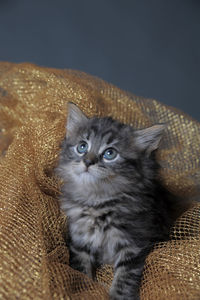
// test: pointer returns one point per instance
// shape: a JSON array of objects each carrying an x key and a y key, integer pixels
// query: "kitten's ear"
[
  {"x": 148, "y": 139},
  {"x": 75, "y": 118}
]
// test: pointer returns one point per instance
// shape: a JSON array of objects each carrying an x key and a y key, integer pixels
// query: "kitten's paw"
[
  {"x": 113, "y": 295},
  {"x": 118, "y": 297}
]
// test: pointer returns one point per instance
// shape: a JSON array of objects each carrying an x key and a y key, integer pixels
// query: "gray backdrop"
[{"x": 148, "y": 47}]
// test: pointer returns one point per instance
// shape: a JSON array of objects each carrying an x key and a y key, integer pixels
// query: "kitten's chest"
[{"x": 92, "y": 228}]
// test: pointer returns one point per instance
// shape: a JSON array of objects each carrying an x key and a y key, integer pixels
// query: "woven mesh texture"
[{"x": 33, "y": 255}]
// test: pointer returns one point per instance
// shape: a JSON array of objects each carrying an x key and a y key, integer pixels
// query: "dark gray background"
[{"x": 148, "y": 47}]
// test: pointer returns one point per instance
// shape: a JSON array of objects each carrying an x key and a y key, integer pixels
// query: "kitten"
[{"x": 116, "y": 207}]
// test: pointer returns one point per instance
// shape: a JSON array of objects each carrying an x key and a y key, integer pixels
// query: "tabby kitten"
[{"x": 116, "y": 207}]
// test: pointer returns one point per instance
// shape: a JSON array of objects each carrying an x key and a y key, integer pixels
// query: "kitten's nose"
[{"x": 90, "y": 159}]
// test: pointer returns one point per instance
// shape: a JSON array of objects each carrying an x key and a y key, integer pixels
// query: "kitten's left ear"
[
  {"x": 148, "y": 139},
  {"x": 76, "y": 118}
]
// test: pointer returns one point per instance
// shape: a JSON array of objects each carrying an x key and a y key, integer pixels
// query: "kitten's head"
[{"x": 105, "y": 154}]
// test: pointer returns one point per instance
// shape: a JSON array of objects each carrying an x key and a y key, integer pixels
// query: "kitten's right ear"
[{"x": 75, "y": 118}]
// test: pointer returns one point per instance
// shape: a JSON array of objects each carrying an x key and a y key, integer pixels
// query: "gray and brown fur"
[{"x": 116, "y": 209}]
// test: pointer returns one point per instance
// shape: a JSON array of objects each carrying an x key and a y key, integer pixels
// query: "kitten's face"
[
  {"x": 101, "y": 152},
  {"x": 97, "y": 153}
]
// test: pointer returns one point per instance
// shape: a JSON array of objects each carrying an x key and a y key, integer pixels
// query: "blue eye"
[
  {"x": 82, "y": 147},
  {"x": 110, "y": 154}
]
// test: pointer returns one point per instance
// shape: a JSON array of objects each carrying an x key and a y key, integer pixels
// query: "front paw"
[
  {"x": 120, "y": 295},
  {"x": 114, "y": 295}
]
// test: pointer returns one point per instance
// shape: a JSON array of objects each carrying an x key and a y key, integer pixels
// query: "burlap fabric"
[{"x": 33, "y": 254}]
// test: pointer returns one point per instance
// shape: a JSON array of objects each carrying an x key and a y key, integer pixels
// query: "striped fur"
[{"x": 117, "y": 209}]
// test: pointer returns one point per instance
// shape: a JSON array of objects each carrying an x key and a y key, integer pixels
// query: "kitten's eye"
[
  {"x": 110, "y": 154},
  {"x": 82, "y": 147}
]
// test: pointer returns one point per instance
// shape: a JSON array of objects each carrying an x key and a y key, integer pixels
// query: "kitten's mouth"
[
  {"x": 90, "y": 172},
  {"x": 87, "y": 175},
  {"x": 87, "y": 171}
]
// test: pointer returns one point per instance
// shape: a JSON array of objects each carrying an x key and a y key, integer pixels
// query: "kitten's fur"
[{"x": 116, "y": 209}]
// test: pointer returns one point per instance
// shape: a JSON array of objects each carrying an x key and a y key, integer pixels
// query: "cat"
[{"x": 117, "y": 208}]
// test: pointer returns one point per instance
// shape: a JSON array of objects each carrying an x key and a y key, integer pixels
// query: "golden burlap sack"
[{"x": 33, "y": 254}]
